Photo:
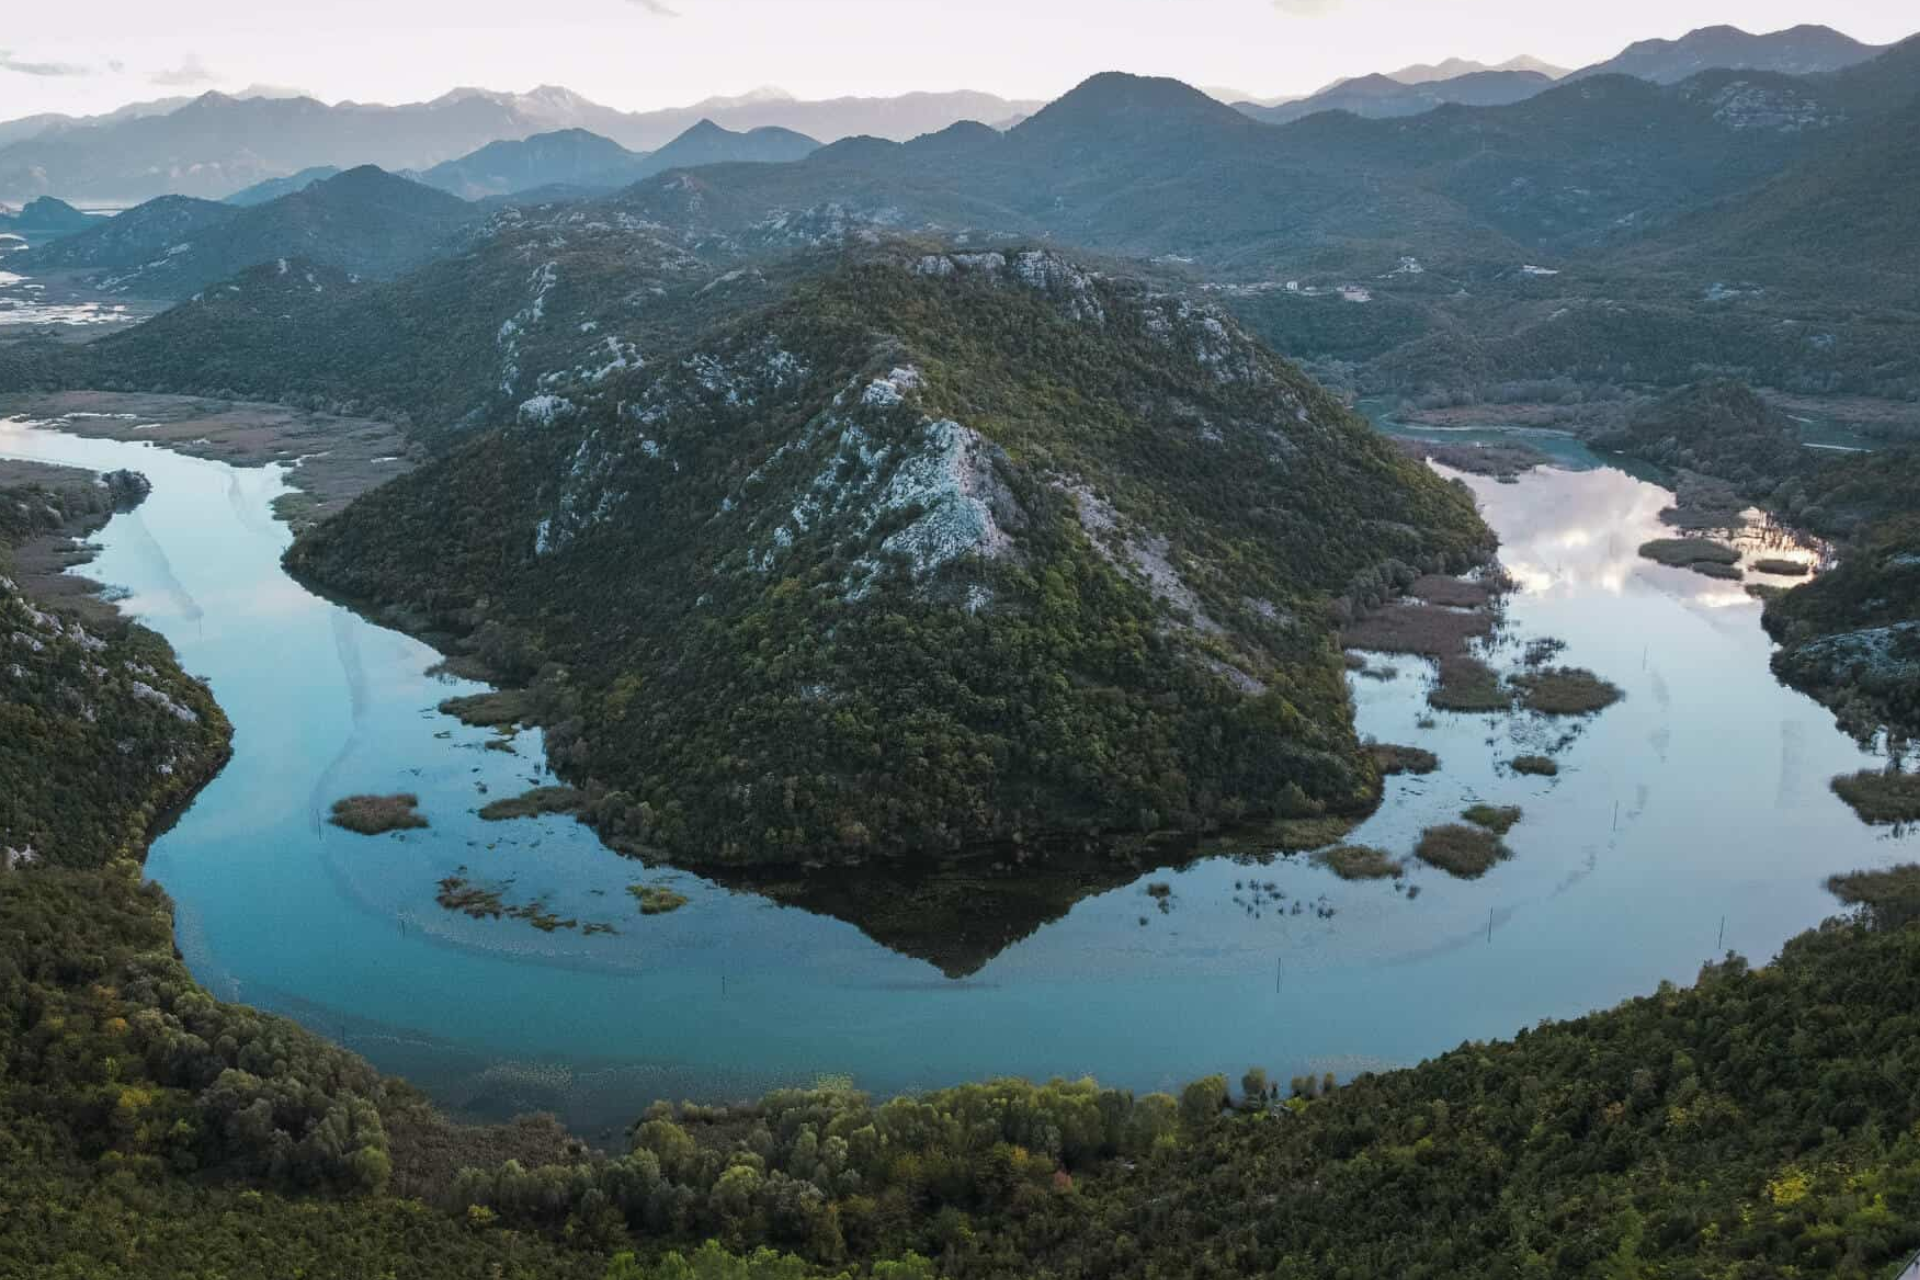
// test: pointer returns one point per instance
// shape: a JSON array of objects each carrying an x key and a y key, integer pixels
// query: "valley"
[{"x": 1144, "y": 681}]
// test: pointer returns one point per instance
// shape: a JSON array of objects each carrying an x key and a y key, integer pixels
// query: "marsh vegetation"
[
  {"x": 1359, "y": 862},
  {"x": 1467, "y": 852},
  {"x": 1497, "y": 818},
  {"x": 1565, "y": 691},
  {"x": 371, "y": 815}
]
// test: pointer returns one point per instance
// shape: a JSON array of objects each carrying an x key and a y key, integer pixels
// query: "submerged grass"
[
  {"x": 1566, "y": 691},
  {"x": 375, "y": 815},
  {"x": 1359, "y": 862},
  {"x": 1497, "y": 818},
  {"x": 1881, "y": 797},
  {"x": 1460, "y": 850}
]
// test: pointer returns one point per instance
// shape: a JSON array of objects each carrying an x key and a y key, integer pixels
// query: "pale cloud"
[
  {"x": 1306, "y": 8},
  {"x": 21, "y": 66},
  {"x": 657, "y": 6},
  {"x": 190, "y": 72}
]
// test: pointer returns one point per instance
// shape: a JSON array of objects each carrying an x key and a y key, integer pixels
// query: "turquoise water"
[{"x": 1701, "y": 798}]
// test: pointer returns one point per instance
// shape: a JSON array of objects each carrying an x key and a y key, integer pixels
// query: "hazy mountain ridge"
[
  {"x": 215, "y": 145},
  {"x": 363, "y": 221},
  {"x": 1801, "y": 50}
]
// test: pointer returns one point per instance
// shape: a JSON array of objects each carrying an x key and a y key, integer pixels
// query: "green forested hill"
[{"x": 942, "y": 549}]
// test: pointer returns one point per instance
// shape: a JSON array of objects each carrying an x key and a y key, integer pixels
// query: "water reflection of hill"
[{"x": 963, "y": 911}]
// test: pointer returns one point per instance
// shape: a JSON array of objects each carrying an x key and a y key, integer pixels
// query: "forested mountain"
[
  {"x": 1794, "y": 51},
  {"x": 44, "y": 218},
  {"x": 974, "y": 546},
  {"x": 363, "y": 221}
]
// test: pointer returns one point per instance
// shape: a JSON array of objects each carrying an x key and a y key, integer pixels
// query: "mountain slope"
[
  {"x": 274, "y": 188},
  {"x": 1794, "y": 51},
  {"x": 568, "y": 156},
  {"x": 708, "y": 143},
  {"x": 363, "y": 221},
  {"x": 938, "y": 551}
]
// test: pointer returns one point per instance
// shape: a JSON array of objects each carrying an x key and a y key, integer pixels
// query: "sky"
[{"x": 638, "y": 54}]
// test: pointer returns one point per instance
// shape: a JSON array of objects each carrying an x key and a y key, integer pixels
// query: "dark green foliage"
[
  {"x": 1718, "y": 427},
  {"x": 747, "y": 685}
]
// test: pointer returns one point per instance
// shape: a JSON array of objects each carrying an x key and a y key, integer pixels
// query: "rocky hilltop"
[{"x": 938, "y": 549}]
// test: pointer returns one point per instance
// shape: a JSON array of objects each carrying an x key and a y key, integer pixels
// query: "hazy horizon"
[{"x": 648, "y": 54}]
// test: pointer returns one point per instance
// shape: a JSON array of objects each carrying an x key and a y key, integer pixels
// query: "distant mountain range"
[
  {"x": 216, "y": 145},
  {"x": 364, "y": 221},
  {"x": 1383, "y": 97},
  {"x": 1796, "y": 51},
  {"x": 585, "y": 161}
]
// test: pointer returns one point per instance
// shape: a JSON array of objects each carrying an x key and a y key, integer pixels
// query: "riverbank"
[{"x": 330, "y": 460}]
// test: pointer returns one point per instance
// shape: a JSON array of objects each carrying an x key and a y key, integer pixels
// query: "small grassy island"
[
  {"x": 534, "y": 803},
  {"x": 1467, "y": 852},
  {"x": 1566, "y": 691},
  {"x": 1702, "y": 555},
  {"x": 372, "y": 815},
  {"x": 1468, "y": 684},
  {"x": 1535, "y": 766},
  {"x": 1359, "y": 862},
  {"x": 1879, "y": 796},
  {"x": 1497, "y": 818}
]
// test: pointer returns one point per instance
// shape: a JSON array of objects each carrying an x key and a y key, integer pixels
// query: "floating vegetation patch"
[
  {"x": 458, "y": 893},
  {"x": 656, "y": 899},
  {"x": 1879, "y": 796},
  {"x": 376, "y": 815},
  {"x": 1359, "y": 862},
  {"x": 1566, "y": 691},
  {"x": 1467, "y": 852},
  {"x": 1783, "y": 568},
  {"x": 1714, "y": 569},
  {"x": 1428, "y": 630},
  {"x": 534, "y": 803},
  {"x": 1497, "y": 818},
  {"x": 1391, "y": 758},
  {"x": 1535, "y": 766},
  {"x": 1468, "y": 684}
]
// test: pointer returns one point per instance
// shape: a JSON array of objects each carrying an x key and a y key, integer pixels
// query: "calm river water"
[{"x": 1701, "y": 798}]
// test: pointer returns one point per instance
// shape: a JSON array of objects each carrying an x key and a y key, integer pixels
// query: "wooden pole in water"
[
  {"x": 1720, "y": 945},
  {"x": 1489, "y": 924},
  {"x": 1616, "y": 815}
]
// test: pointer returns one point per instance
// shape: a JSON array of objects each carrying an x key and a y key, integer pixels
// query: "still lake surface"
[{"x": 1700, "y": 798}]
